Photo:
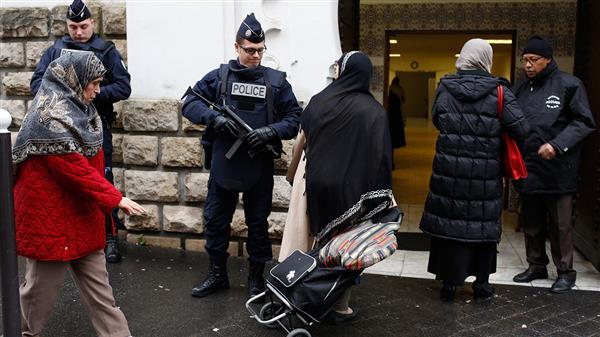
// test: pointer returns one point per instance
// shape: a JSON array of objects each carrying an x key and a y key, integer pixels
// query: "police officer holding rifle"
[{"x": 254, "y": 109}]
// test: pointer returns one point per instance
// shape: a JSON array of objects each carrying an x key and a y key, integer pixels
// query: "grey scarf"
[
  {"x": 476, "y": 54},
  {"x": 59, "y": 121}
]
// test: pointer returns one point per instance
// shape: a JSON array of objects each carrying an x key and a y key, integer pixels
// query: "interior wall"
[
  {"x": 442, "y": 65},
  {"x": 415, "y": 85}
]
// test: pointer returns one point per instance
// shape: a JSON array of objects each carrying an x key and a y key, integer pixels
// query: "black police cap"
[
  {"x": 251, "y": 30},
  {"x": 78, "y": 11}
]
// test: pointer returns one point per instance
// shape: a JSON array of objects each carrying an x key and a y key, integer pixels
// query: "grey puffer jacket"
[{"x": 465, "y": 197}]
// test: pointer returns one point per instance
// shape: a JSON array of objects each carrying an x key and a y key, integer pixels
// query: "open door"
[{"x": 587, "y": 68}]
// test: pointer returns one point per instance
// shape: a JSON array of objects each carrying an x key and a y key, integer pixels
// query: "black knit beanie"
[{"x": 539, "y": 46}]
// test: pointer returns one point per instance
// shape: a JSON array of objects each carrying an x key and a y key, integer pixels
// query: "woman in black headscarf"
[{"x": 348, "y": 156}]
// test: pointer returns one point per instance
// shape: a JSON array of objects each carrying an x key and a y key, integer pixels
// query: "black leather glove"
[
  {"x": 225, "y": 126},
  {"x": 257, "y": 139}
]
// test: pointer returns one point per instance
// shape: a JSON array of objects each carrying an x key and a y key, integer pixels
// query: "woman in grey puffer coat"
[{"x": 464, "y": 204}]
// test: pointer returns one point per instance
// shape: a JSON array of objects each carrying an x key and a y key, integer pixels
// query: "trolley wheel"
[
  {"x": 299, "y": 333},
  {"x": 269, "y": 311}
]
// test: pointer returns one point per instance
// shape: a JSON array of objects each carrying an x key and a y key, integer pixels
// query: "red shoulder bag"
[{"x": 514, "y": 166}]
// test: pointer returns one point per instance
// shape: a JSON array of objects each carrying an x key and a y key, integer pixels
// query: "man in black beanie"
[
  {"x": 115, "y": 87},
  {"x": 556, "y": 106},
  {"x": 264, "y": 100}
]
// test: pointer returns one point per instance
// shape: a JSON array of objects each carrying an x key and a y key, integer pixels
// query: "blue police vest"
[{"x": 246, "y": 92}]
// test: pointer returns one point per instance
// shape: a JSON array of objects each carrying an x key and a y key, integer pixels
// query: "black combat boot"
[
  {"x": 256, "y": 281},
  {"x": 216, "y": 280},
  {"x": 112, "y": 249},
  {"x": 447, "y": 292}
]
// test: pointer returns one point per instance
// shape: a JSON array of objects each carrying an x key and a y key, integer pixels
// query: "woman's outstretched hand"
[{"x": 131, "y": 207}]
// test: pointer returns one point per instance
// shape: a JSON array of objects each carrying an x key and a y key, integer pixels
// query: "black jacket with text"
[{"x": 555, "y": 104}]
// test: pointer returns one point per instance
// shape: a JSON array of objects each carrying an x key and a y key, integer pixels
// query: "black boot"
[
  {"x": 216, "y": 280},
  {"x": 447, "y": 292},
  {"x": 112, "y": 249},
  {"x": 256, "y": 281},
  {"x": 483, "y": 290}
]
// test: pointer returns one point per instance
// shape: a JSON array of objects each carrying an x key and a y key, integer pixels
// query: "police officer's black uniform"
[
  {"x": 115, "y": 87},
  {"x": 263, "y": 98}
]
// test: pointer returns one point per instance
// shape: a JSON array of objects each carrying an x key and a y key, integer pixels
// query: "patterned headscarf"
[
  {"x": 476, "y": 54},
  {"x": 59, "y": 121}
]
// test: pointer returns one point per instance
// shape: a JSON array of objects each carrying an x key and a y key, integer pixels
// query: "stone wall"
[{"x": 157, "y": 158}]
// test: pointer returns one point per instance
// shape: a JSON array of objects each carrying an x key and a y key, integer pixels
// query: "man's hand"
[
  {"x": 547, "y": 151},
  {"x": 225, "y": 126},
  {"x": 257, "y": 139}
]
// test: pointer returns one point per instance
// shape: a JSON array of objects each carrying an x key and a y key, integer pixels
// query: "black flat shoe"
[
  {"x": 562, "y": 285},
  {"x": 335, "y": 318},
  {"x": 483, "y": 290},
  {"x": 447, "y": 293},
  {"x": 530, "y": 274}
]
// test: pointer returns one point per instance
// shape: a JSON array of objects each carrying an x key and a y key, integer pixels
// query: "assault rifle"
[{"x": 244, "y": 128}]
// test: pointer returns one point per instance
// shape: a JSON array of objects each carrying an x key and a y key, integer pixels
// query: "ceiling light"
[
  {"x": 395, "y": 55},
  {"x": 393, "y": 41},
  {"x": 456, "y": 55},
  {"x": 499, "y": 41}
]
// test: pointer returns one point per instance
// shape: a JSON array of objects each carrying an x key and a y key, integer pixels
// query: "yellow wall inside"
[{"x": 442, "y": 65}]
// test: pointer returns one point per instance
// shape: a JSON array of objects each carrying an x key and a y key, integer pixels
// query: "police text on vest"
[{"x": 250, "y": 90}]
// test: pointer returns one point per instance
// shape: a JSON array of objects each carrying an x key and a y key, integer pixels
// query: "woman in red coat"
[{"x": 61, "y": 197}]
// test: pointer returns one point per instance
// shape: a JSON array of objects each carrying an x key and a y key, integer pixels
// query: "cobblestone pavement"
[{"x": 152, "y": 287}]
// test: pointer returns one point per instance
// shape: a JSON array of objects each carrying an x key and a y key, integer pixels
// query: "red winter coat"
[{"x": 60, "y": 201}]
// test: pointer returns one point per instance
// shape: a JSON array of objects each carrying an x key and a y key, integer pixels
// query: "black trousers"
[
  {"x": 218, "y": 212},
  {"x": 111, "y": 220},
  {"x": 545, "y": 214}
]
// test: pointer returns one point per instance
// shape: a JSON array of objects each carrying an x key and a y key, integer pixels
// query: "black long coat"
[
  {"x": 464, "y": 202},
  {"x": 556, "y": 105},
  {"x": 396, "y": 121}
]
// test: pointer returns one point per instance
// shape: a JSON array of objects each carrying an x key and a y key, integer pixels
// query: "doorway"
[
  {"x": 420, "y": 59},
  {"x": 416, "y": 92}
]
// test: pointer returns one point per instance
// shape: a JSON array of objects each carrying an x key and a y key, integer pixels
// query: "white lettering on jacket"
[
  {"x": 249, "y": 90},
  {"x": 553, "y": 102},
  {"x": 67, "y": 51}
]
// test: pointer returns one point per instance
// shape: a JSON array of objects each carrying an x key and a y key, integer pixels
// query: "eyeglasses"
[
  {"x": 532, "y": 60},
  {"x": 251, "y": 51}
]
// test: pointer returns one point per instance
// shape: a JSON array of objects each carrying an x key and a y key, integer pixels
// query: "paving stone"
[
  {"x": 152, "y": 285},
  {"x": 543, "y": 328},
  {"x": 586, "y": 328}
]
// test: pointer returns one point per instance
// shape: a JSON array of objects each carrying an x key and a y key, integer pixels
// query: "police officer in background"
[
  {"x": 115, "y": 87},
  {"x": 263, "y": 98}
]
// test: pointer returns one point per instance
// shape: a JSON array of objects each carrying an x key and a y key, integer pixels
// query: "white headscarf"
[{"x": 476, "y": 54}]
